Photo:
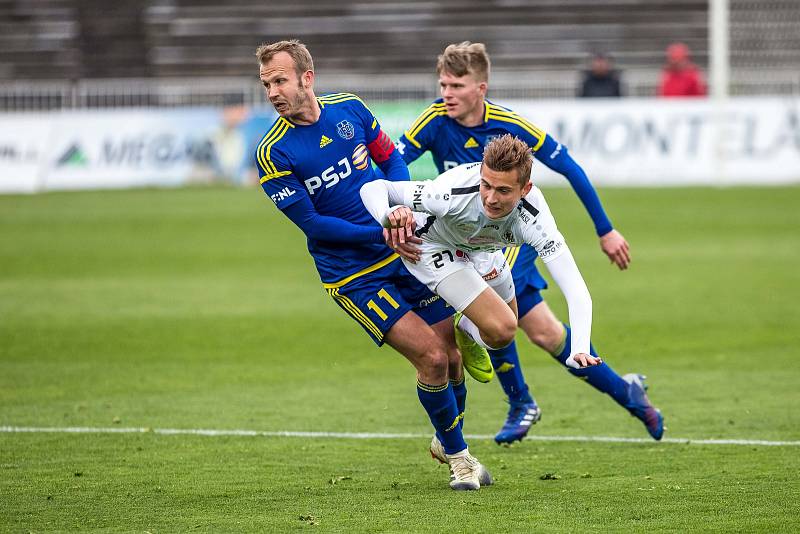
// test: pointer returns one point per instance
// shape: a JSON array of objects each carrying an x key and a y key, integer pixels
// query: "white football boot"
[{"x": 466, "y": 472}]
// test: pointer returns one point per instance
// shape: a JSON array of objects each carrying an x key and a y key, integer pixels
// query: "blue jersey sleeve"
[
  {"x": 556, "y": 157},
  {"x": 291, "y": 197},
  {"x": 331, "y": 229},
  {"x": 277, "y": 179}
]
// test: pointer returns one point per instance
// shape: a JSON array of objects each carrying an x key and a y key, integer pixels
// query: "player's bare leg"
[
  {"x": 495, "y": 320},
  {"x": 542, "y": 327}
]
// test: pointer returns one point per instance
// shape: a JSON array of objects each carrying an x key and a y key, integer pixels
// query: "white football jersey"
[{"x": 450, "y": 211}]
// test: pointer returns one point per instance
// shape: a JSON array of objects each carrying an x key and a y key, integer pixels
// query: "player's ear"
[
  {"x": 308, "y": 79},
  {"x": 483, "y": 87},
  {"x": 527, "y": 188}
]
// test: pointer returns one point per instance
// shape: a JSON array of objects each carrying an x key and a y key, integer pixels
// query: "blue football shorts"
[{"x": 377, "y": 300}]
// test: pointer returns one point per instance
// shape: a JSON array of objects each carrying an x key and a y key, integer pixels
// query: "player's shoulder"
[
  {"x": 346, "y": 99},
  {"x": 534, "y": 202},
  {"x": 346, "y": 103},
  {"x": 271, "y": 143},
  {"x": 430, "y": 118},
  {"x": 511, "y": 120},
  {"x": 461, "y": 180}
]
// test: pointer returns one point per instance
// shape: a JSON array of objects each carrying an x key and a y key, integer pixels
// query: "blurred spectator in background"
[
  {"x": 680, "y": 77},
  {"x": 600, "y": 81}
]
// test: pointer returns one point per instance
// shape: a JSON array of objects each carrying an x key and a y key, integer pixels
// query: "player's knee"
[
  {"x": 547, "y": 338},
  {"x": 500, "y": 335},
  {"x": 435, "y": 362}
]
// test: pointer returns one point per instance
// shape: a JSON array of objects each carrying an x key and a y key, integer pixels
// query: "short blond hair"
[
  {"x": 465, "y": 58},
  {"x": 508, "y": 153},
  {"x": 297, "y": 50}
]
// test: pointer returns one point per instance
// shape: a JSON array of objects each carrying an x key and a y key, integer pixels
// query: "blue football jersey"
[
  {"x": 327, "y": 162},
  {"x": 452, "y": 144}
]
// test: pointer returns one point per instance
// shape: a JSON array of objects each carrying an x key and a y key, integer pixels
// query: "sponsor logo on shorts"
[
  {"x": 491, "y": 275},
  {"x": 427, "y": 302}
]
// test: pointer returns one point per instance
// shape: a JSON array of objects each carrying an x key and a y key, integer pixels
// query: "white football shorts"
[{"x": 459, "y": 277}]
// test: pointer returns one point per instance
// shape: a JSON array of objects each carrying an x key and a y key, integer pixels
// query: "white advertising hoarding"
[
  {"x": 641, "y": 142},
  {"x": 129, "y": 148},
  {"x": 674, "y": 142},
  {"x": 23, "y": 148}
]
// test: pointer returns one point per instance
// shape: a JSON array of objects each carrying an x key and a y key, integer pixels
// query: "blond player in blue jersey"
[{"x": 455, "y": 129}]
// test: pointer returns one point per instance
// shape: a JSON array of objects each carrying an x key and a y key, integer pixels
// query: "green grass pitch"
[{"x": 200, "y": 308}]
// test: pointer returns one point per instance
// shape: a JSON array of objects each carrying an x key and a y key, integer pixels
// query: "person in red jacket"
[{"x": 680, "y": 76}]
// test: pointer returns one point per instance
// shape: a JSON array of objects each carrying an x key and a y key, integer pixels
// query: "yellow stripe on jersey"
[
  {"x": 511, "y": 254},
  {"x": 374, "y": 124},
  {"x": 433, "y": 111},
  {"x": 269, "y": 177},
  {"x": 264, "y": 148},
  {"x": 339, "y": 97},
  {"x": 510, "y": 116},
  {"x": 333, "y": 96},
  {"x": 497, "y": 110},
  {"x": 351, "y": 308},
  {"x": 374, "y": 267},
  {"x": 270, "y": 134}
]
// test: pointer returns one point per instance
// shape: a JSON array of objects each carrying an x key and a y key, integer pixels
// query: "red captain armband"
[{"x": 381, "y": 148}]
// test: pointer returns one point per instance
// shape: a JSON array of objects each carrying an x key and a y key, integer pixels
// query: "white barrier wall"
[
  {"x": 133, "y": 148},
  {"x": 618, "y": 142},
  {"x": 675, "y": 142}
]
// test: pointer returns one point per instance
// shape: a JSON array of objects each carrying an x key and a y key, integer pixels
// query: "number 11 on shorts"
[{"x": 377, "y": 309}]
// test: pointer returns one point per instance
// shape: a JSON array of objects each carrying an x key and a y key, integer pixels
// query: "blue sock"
[
  {"x": 506, "y": 364},
  {"x": 440, "y": 403},
  {"x": 602, "y": 377},
  {"x": 460, "y": 391}
]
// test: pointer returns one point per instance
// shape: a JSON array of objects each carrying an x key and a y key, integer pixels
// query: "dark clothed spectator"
[{"x": 601, "y": 81}]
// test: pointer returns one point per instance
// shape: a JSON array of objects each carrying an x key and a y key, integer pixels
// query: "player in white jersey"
[{"x": 464, "y": 218}]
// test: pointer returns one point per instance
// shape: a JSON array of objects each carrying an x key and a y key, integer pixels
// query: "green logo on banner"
[{"x": 74, "y": 156}]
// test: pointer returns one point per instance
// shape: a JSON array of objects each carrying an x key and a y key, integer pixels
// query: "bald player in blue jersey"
[
  {"x": 455, "y": 129},
  {"x": 312, "y": 163}
]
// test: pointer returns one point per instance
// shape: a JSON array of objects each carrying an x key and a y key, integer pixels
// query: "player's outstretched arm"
[
  {"x": 612, "y": 243},
  {"x": 331, "y": 229},
  {"x": 379, "y": 196},
  {"x": 566, "y": 274}
]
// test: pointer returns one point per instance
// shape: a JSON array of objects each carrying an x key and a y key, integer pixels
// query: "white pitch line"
[{"x": 371, "y": 435}]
